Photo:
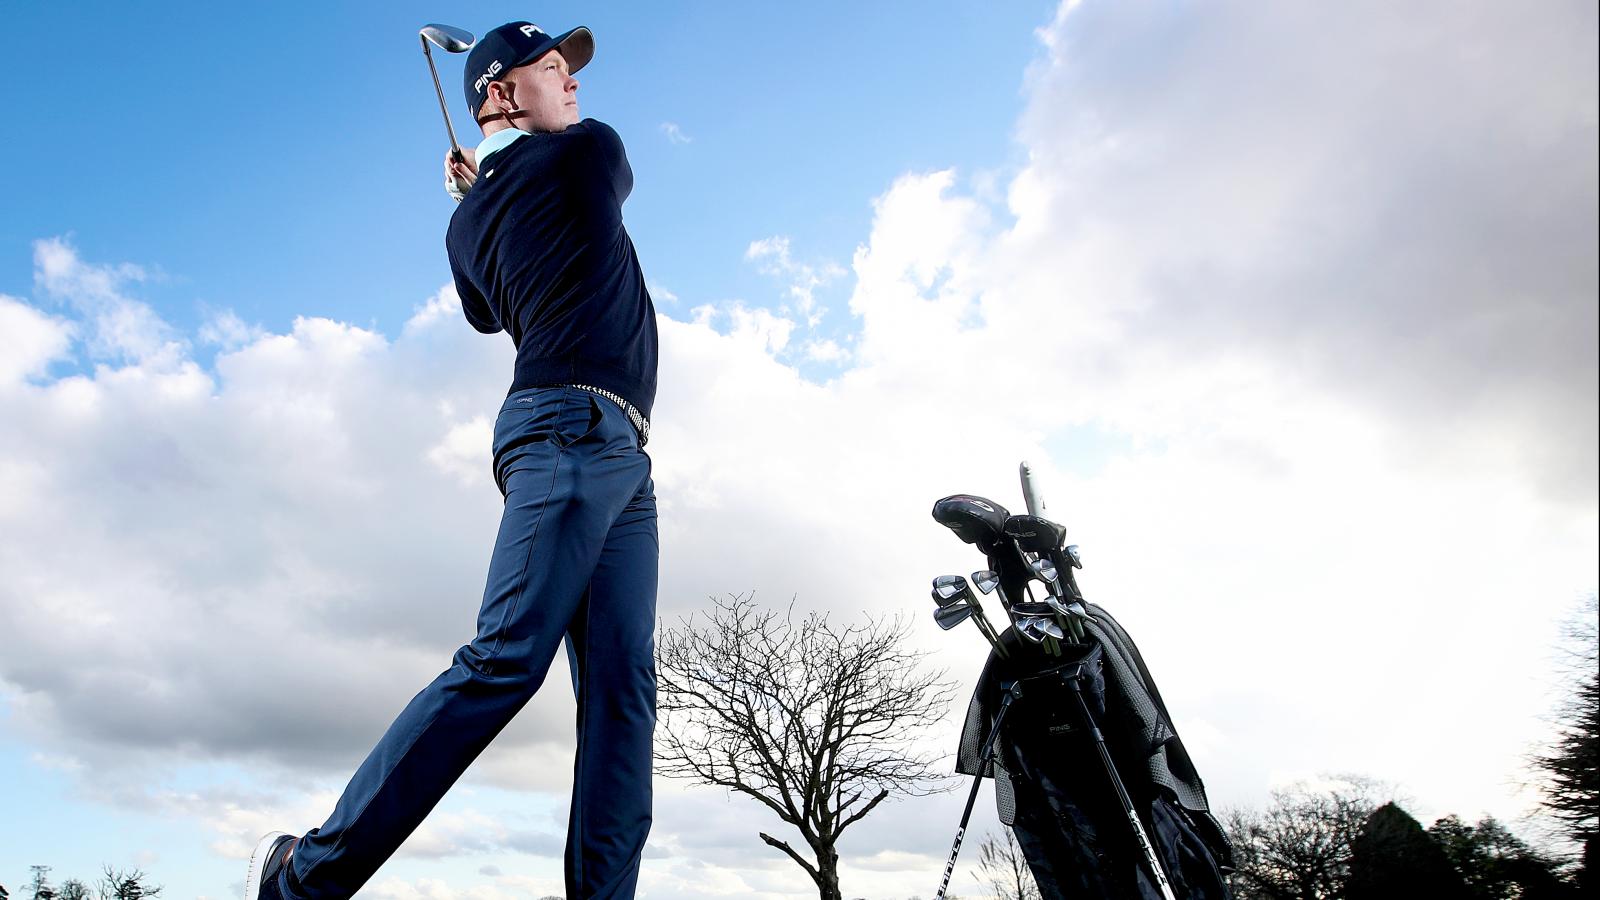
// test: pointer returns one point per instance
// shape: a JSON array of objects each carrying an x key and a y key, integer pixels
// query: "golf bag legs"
[{"x": 1070, "y": 824}]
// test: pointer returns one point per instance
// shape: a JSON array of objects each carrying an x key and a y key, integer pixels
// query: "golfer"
[{"x": 538, "y": 250}]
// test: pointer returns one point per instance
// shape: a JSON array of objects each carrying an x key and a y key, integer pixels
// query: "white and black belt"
[{"x": 640, "y": 423}]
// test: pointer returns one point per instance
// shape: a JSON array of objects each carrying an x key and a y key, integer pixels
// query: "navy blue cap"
[{"x": 517, "y": 44}]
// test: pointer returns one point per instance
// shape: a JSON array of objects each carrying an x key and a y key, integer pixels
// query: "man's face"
[{"x": 547, "y": 91}]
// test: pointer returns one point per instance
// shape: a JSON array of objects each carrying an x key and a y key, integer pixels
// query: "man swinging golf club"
[{"x": 537, "y": 249}]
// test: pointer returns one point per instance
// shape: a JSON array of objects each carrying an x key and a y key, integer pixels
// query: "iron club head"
[
  {"x": 986, "y": 581},
  {"x": 1045, "y": 569},
  {"x": 950, "y": 589},
  {"x": 949, "y": 617},
  {"x": 1032, "y": 608},
  {"x": 448, "y": 38},
  {"x": 1028, "y": 628}
]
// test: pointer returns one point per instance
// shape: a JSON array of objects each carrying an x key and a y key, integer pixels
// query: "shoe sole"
[{"x": 258, "y": 864}]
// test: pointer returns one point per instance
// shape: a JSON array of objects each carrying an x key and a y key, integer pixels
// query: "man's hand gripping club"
[{"x": 460, "y": 174}]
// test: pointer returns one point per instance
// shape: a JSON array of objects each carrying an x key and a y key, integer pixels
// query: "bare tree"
[
  {"x": 73, "y": 889},
  {"x": 116, "y": 884},
  {"x": 812, "y": 720},
  {"x": 41, "y": 883},
  {"x": 1300, "y": 847},
  {"x": 1004, "y": 867}
]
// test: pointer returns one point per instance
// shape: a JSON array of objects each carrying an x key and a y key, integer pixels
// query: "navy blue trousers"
[{"x": 576, "y": 557}]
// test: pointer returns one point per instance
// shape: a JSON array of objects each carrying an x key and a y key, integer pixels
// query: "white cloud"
[
  {"x": 1296, "y": 317},
  {"x": 774, "y": 258},
  {"x": 675, "y": 134},
  {"x": 660, "y": 294},
  {"x": 29, "y": 340},
  {"x": 225, "y": 329},
  {"x": 121, "y": 328},
  {"x": 826, "y": 351}
]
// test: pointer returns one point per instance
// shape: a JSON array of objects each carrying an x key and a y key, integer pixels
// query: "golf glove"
[{"x": 457, "y": 185}]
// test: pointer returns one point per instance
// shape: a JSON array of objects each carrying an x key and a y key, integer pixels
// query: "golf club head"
[
  {"x": 1024, "y": 609},
  {"x": 1051, "y": 629},
  {"x": 986, "y": 581},
  {"x": 1028, "y": 628},
  {"x": 1035, "y": 534},
  {"x": 1058, "y": 607},
  {"x": 949, "y": 617},
  {"x": 975, "y": 520},
  {"x": 448, "y": 38},
  {"x": 1074, "y": 557},
  {"x": 1045, "y": 569},
  {"x": 949, "y": 590}
]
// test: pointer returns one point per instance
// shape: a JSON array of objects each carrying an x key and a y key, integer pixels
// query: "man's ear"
[{"x": 501, "y": 97}]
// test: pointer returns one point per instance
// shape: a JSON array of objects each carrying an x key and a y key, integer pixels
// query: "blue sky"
[
  {"x": 280, "y": 159},
  {"x": 1245, "y": 282}
]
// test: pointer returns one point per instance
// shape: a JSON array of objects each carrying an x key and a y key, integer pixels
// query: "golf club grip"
[{"x": 1030, "y": 491}]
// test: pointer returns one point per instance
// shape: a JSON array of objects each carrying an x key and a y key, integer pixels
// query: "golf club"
[
  {"x": 975, "y": 520},
  {"x": 986, "y": 581},
  {"x": 949, "y": 617},
  {"x": 951, "y": 591},
  {"x": 450, "y": 40},
  {"x": 1053, "y": 565},
  {"x": 1028, "y": 609},
  {"x": 1032, "y": 496},
  {"x": 1045, "y": 569},
  {"x": 1028, "y": 627}
]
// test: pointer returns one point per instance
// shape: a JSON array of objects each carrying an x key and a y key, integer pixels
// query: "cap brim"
[{"x": 577, "y": 47}]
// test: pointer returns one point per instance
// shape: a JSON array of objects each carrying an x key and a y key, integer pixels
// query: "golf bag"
[{"x": 1051, "y": 785}]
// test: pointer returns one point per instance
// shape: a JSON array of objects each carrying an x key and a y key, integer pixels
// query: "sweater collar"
[{"x": 498, "y": 141}]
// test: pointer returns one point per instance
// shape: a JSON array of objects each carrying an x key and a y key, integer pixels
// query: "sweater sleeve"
[
  {"x": 613, "y": 157},
  {"x": 473, "y": 305}
]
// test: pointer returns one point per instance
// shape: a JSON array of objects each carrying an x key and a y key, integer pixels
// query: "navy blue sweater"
[{"x": 538, "y": 250}]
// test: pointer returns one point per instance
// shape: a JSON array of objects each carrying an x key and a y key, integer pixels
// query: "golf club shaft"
[
  {"x": 990, "y": 633},
  {"x": 455, "y": 149}
]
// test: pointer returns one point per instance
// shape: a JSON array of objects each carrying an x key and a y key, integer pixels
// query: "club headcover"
[
  {"x": 975, "y": 520},
  {"x": 1035, "y": 534}
]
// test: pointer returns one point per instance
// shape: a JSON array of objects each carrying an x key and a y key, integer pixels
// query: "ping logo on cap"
[
  {"x": 487, "y": 76},
  {"x": 530, "y": 30}
]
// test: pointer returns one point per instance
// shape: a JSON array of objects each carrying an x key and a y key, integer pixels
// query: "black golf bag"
[{"x": 1052, "y": 787}]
